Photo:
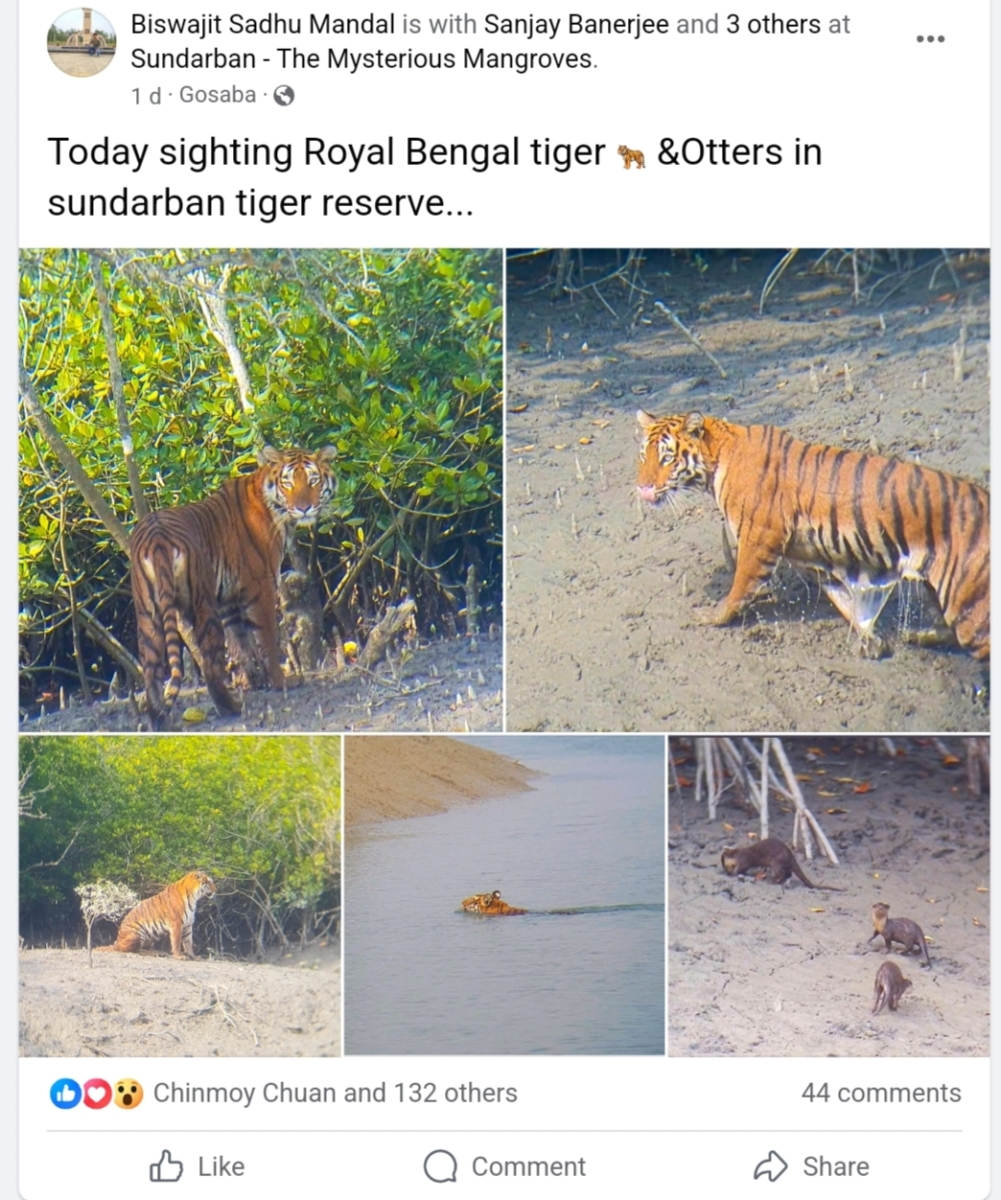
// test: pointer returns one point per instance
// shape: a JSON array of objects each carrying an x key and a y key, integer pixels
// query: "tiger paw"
[
  {"x": 871, "y": 646},
  {"x": 720, "y": 614}
]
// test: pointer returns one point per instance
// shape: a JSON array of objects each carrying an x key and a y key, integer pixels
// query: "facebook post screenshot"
[{"x": 501, "y": 712}]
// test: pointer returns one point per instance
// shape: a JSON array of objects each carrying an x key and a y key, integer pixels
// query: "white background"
[
  {"x": 903, "y": 127},
  {"x": 904, "y": 131}
]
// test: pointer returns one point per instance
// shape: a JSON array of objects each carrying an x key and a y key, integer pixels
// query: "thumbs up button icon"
[
  {"x": 167, "y": 1170},
  {"x": 65, "y": 1093}
]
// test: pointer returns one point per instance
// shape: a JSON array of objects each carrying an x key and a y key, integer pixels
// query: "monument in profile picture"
[{"x": 81, "y": 42}]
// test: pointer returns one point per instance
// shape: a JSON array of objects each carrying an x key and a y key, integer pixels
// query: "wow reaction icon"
[{"x": 128, "y": 1093}]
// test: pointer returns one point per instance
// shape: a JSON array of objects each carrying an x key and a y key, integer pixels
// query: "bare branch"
[
  {"x": 118, "y": 391},
  {"x": 107, "y": 640},
  {"x": 71, "y": 464},
  {"x": 212, "y": 302}
]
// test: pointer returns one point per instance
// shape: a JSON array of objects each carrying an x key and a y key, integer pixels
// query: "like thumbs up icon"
[{"x": 167, "y": 1170}]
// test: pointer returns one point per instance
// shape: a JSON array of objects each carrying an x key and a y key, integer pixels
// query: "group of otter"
[{"x": 773, "y": 860}]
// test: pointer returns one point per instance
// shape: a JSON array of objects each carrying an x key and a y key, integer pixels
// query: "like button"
[{"x": 167, "y": 1170}]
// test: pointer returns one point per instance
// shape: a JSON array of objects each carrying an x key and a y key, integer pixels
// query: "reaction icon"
[
  {"x": 128, "y": 1093},
  {"x": 97, "y": 1093},
  {"x": 65, "y": 1093}
]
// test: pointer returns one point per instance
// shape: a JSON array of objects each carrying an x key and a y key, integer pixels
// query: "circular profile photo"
[{"x": 81, "y": 42}]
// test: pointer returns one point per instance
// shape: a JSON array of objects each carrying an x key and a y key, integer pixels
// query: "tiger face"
[
  {"x": 298, "y": 485},
  {"x": 480, "y": 902},
  {"x": 673, "y": 456},
  {"x": 198, "y": 884}
]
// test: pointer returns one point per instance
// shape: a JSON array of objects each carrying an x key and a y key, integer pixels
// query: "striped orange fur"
[
  {"x": 490, "y": 904},
  {"x": 213, "y": 567},
  {"x": 170, "y": 912},
  {"x": 865, "y": 521}
]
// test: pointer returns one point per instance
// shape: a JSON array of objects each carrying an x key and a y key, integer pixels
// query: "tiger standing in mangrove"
[
  {"x": 171, "y": 911},
  {"x": 213, "y": 566},
  {"x": 865, "y": 521}
]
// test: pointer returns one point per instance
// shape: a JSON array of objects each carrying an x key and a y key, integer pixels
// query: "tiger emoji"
[
  {"x": 170, "y": 911},
  {"x": 632, "y": 156},
  {"x": 490, "y": 904},
  {"x": 213, "y": 566},
  {"x": 866, "y": 522}
]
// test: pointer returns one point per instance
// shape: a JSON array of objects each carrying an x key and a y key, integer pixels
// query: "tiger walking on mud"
[{"x": 865, "y": 521}]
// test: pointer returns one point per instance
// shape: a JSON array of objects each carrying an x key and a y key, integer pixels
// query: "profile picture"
[
  {"x": 261, "y": 490},
  {"x": 180, "y": 896},
  {"x": 504, "y": 895},
  {"x": 81, "y": 42}
]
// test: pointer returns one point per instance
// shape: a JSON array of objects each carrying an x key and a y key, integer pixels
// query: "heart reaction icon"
[{"x": 97, "y": 1093}]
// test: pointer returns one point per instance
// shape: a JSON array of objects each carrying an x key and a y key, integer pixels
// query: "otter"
[
  {"x": 898, "y": 929},
  {"x": 890, "y": 986},
  {"x": 771, "y": 856},
  {"x": 490, "y": 904}
]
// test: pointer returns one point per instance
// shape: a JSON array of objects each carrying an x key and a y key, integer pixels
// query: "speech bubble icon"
[{"x": 440, "y": 1166}]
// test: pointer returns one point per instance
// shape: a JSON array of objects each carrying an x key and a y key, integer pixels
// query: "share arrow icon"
[{"x": 774, "y": 1166}]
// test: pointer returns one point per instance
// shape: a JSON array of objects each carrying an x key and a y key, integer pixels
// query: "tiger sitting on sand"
[{"x": 171, "y": 911}]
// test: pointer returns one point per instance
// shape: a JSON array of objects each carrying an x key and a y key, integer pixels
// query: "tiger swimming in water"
[
  {"x": 171, "y": 911},
  {"x": 865, "y": 521},
  {"x": 490, "y": 904},
  {"x": 214, "y": 565}
]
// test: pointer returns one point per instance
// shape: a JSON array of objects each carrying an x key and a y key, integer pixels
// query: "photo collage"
[{"x": 369, "y": 595}]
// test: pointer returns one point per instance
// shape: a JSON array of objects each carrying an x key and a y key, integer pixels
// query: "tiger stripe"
[
  {"x": 490, "y": 904},
  {"x": 866, "y": 520},
  {"x": 168, "y": 913},
  {"x": 213, "y": 566}
]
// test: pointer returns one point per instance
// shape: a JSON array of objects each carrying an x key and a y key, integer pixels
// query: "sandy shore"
[
  {"x": 755, "y": 969},
  {"x": 132, "y": 1004},
  {"x": 387, "y": 779}
]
